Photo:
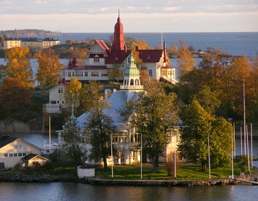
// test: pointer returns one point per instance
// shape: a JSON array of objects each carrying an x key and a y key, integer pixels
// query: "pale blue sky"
[{"x": 136, "y": 15}]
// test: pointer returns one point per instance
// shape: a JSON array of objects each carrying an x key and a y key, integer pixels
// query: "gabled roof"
[
  {"x": 30, "y": 156},
  {"x": 6, "y": 139},
  {"x": 116, "y": 101},
  {"x": 117, "y": 57},
  {"x": 102, "y": 45},
  {"x": 150, "y": 56}
]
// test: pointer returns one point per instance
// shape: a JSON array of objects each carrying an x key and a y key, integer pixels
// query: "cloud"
[{"x": 172, "y": 8}]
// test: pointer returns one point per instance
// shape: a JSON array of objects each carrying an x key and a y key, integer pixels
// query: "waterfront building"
[
  {"x": 101, "y": 61},
  {"x": 126, "y": 139},
  {"x": 35, "y": 44},
  {"x": 13, "y": 149}
]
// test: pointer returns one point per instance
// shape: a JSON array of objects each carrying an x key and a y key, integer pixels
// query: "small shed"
[{"x": 30, "y": 159}]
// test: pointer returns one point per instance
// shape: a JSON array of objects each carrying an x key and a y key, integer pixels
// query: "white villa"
[
  {"x": 126, "y": 139},
  {"x": 101, "y": 59},
  {"x": 13, "y": 150}
]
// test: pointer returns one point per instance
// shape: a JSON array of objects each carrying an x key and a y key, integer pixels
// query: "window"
[
  {"x": 69, "y": 74},
  {"x": 96, "y": 59},
  {"x": 19, "y": 154},
  {"x": 23, "y": 154},
  {"x": 15, "y": 154},
  {"x": 86, "y": 74},
  {"x": 60, "y": 90},
  {"x": 79, "y": 74},
  {"x": 150, "y": 72},
  {"x": 5, "y": 155},
  {"x": 104, "y": 74},
  {"x": 134, "y": 155},
  {"x": 94, "y": 74},
  {"x": 11, "y": 155}
]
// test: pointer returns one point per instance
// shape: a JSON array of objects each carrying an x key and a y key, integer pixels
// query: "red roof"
[
  {"x": 117, "y": 57},
  {"x": 96, "y": 55},
  {"x": 102, "y": 45},
  {"x": 89, "y": 68},
  {"x": 148, "y": 56}
]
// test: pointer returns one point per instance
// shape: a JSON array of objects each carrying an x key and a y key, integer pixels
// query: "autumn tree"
[
  {"x": 172, "y": 49},
  {"x": 155, "y": 113},
  {"x": 72, "y": 93},
  {"x": 18, "y": 65},
  {"x": 14, "y": 98},
  {"x": 186, "y": 63},
  {"x": 49, "y": 68}
]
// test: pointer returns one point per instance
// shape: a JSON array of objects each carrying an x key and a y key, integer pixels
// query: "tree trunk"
[
  {"x": 105, "y": 162},
  {"x": 203, "y": 166},
  {"x": 155, "y": 164}
]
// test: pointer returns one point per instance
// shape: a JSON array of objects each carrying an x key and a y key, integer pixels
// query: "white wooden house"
[{"x": 12, "y": 150}]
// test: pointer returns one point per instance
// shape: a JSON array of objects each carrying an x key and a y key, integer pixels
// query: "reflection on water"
[{"x": 75, "y": 191}]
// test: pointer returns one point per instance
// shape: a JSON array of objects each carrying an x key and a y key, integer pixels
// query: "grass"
[{"x": 186, "y": 172}]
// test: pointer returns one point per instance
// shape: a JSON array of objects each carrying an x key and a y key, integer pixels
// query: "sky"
[{"x": 72, "y": 16}]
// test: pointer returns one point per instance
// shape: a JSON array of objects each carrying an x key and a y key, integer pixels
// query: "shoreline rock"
[{"x": 44, "y": 178}]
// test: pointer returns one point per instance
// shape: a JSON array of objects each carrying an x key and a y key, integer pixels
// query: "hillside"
[{"x": 29, "y": 33}]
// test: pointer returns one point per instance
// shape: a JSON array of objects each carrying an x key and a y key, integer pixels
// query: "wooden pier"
[{"x": 247, "y": 181}]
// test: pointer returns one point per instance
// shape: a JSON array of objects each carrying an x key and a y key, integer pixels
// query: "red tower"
[{"x": 118, "y": 42}]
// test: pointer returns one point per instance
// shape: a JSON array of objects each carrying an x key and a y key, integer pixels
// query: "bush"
[{"x": 242, "y": 162}]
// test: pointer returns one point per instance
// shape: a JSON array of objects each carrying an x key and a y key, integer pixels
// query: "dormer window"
[
  {"x": 96, "y": 58},
  {"x": 148, "y": 57},
  {"x": 116, "y": 58}
]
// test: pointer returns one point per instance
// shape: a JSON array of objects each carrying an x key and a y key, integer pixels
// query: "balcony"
[{"x": 52, "y": 108}]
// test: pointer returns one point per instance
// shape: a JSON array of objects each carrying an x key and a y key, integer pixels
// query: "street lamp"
[
  {"x": 141, "y": 156},
  {"x": 111, "y": 142},
  {"x": 209, "y": 158}
]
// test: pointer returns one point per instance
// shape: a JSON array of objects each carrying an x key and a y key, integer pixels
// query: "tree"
[
  {"x": 101, "y": 126},
  {"x": 91, "y": 95},
  {"x": 72, "y": 92},
  {"x": 18, "y": 65},
  {"x": 194, "y": 134},
  {"x": 98, "y": 124},
  {"x": 186, "y": 63},
  {"x": 198, "y": 125},
  {"x": 14, "y": 98},
  {"x": 154, "y": 114},
  {"x": 49, "y": 68},
  {"x": 73, "y": 152}
]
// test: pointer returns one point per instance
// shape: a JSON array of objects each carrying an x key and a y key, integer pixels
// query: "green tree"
[
  {"x": 100, "y": 126},
  {"x": 194, "y": 134},
  {"x": 155, "y": 113},
  {"x": 18, "y": 65},
  {"x": 73, "y": 151},
  {"x": 49, "y": 68},
  {"x": 186, "y": 63},
  {"x": 91, "y": 96},
  {"x": 198, "y": 126}
]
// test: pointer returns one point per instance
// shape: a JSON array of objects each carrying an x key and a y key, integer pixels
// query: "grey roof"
[
  {"x": 116, "y": 100},
  {"x": 6, "y": 139}
]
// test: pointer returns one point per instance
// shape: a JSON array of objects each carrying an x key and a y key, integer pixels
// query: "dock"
[{"x": 247, "y": 181}]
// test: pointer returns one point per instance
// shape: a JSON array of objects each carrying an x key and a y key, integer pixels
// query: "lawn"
[{"x": 186, "y": 172}]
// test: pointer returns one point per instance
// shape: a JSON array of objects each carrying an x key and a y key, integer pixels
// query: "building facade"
[
  {"x": 36, "y": 44},
  {"x": 12, "y": 150},
  {"x": 101, "y": 61}
]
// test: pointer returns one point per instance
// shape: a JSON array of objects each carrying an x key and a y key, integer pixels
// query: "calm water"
[
  {"x": 60, "y": 191},
  {"x": 235, "y": 43}
]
